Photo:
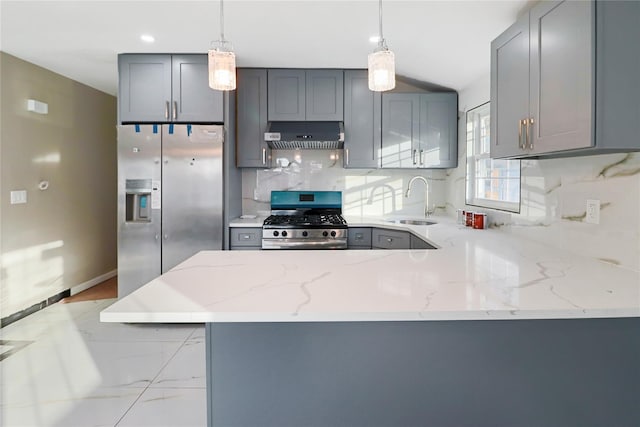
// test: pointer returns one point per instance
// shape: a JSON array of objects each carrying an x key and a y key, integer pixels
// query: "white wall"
[{"x": 554, "y": 194}]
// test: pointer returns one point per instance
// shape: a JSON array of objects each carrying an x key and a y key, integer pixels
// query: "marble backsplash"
[
  {"x": 553, "y": 204},
  {"x": 366, "y": 192}
]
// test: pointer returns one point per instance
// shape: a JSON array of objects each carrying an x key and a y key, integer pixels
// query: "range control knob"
[
  {"x": 284, "y": 234},
  {"x": 325, "y": 234},
  {"x": 275, "y": 233},
  {"x": 333, "y": 233},
  {"x": 305, "y": 234}
]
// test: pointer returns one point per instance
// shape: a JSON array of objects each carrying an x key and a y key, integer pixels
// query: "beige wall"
[{"x": 66, "y": 235}]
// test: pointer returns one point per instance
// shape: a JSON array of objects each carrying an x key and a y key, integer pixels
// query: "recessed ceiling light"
[
  {"x": 147, "y": 38},
  {"x": 374, "y": 39}
]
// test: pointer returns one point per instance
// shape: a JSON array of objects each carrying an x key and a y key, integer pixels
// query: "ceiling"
[{"x": 444, "y": 42}]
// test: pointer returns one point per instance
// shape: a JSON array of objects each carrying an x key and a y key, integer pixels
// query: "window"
[{"x": 490, "y": 183}]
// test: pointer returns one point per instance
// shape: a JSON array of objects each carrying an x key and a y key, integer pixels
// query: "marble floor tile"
[
  {"x": 77, "y": 371},
  {"x": 100, "y": 407},
  {"x": 186, "y": 369},
  {"x": 159, "y": 407}
]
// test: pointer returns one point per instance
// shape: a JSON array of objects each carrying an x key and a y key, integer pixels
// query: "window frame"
[{"x": 471, "y": 177}]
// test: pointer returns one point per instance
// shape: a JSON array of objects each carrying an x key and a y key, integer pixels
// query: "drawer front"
[
  {"x": 359, "y": 237},
  {"x": 241, "y": 236},
  {"x": 390, "y": 239}
]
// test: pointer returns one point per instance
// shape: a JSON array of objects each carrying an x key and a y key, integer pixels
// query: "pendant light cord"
[
  {"x": 380, "y": 21},
  {"x": 222, "y": 20}
]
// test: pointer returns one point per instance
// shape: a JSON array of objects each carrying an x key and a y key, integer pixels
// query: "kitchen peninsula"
[{"x": 486, "y": 330}]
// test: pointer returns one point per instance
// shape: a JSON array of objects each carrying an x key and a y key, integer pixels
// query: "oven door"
[{"x": 307, "y": 238}]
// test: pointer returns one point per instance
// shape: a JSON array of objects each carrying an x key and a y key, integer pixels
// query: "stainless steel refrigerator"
[{"x": 170, "y": 189}]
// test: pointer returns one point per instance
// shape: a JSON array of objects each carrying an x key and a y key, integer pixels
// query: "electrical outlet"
[
  {"x": 18, "y": 197},
  {"x": 593, "y": 212}
]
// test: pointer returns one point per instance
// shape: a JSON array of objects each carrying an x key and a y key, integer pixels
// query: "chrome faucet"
[{"x": 426, "y": 192}]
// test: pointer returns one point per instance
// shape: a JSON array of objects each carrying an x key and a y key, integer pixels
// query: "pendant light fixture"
[
  {"x": 222, "y": 61},
  {"x": 382, "y": 67}
]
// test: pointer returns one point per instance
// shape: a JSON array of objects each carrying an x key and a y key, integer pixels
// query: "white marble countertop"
[{"x": 475, "y": 275}]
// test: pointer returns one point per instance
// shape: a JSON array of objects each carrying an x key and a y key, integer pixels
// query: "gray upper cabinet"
[
  {"x": 305, "y": 95},
  {"x": 193, "y": 99},
  {"x": 419, "y": 130},
  {"x": 558, "y": 76},
  {"x": 251, "y": 107},
  {"x": 167, "y": 88},
  {"x": 400, "y": 130},
  {"x": 362, "y": 121},
  {"x": 438, "y": 132}
]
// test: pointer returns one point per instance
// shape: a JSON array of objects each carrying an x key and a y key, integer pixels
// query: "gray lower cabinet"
[
  {"x": 251, "y": 114},
  {"x": 167, "y": 88},
  {"x": 359, "y": 238},
  {"x": 246, "y": 238},
  {"x": 417, "y": 243},
  {"x": 299, "y": 95},
  {"x": 362, "y": 121},
  {"x": 383, "y": 238},
  {"x": 563, "y": 81},
  {"x": 390, "y": 239},
  {"x": 419, "y": 130}
]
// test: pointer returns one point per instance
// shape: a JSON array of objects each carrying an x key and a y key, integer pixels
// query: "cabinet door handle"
[
  {"x": 414, "y": 157},
  {"x": 389, "y": 239},
  {"x": 346, "y": 156},
  {"x": 530, "y": 129},
  {"x": 421, "y": 158},
  {"x": 166, "y": 110},
  {"x": 175, "y": 110},
  {"x": 166, "y": 236},
  {"x": 520, "y": 143},
  {"x": 264, "y": 156}
]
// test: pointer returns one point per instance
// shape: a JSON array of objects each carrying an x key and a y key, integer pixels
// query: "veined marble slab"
[{"x": 476, "y": 274}]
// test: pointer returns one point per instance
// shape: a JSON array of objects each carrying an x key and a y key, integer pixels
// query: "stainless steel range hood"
[{"x": 305, "y": 135}]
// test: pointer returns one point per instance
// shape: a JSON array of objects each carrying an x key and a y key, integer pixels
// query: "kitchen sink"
[{"x": 411, "y": 221}]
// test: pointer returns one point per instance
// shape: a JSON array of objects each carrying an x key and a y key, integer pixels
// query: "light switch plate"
[
  {"x": 593, "y": 211},
  {"x": 18, "y": 197}
]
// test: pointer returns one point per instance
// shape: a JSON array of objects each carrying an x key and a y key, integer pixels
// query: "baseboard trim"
[
  {"x": 91, "y": 283},
  {"x": 5, "y": 321}
]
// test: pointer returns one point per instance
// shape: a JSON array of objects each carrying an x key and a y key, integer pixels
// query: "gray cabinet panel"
[
  {"x": 286, "y": 95},
  {"x": 417, "y": 243},
  {"x": 390, "y": 239},
  {"x": 299, "y": 95},
  {"x": 581, "y": 90},
  {"x": 246, "y": 238},
  {"x": 362, "y": 121},
  {"x": 509, "y": 88},
  {"x": 438, "y": 130},
  {"x": 193, "y": 99},
  {"x": 359, "y": 238},
  {"x": 144, "y": 88},
  {"x": 324, "y": 95},
  {"x": 400, "y": 130},
  {"x": 251, "y": 110},
  {"x": 561, "y": 48},
  {"x": 167, "y": 88}
]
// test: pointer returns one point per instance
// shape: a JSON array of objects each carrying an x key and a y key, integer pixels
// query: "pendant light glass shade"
[
  {"x": 381, "y": 63},
  {"x": 382, "y": 70},
  {"x": 222, "y": 61},
  {"x": 222, "y": 69}
]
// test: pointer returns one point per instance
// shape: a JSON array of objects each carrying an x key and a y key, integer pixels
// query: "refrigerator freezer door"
[
  {"x": 139, "y": 219},
  {"x": 191, "y": 191}
]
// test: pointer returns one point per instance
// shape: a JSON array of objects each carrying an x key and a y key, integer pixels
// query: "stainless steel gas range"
[{"x": 305, "y": 220}]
